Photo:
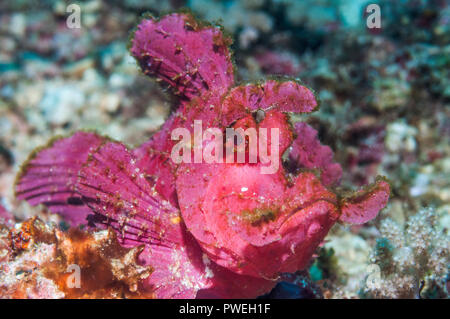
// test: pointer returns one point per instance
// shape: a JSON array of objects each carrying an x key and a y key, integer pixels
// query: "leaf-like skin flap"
[
  {"x": 364, "y": 205},
  {"x": 283, "y": 96},
  {"x": 191, "y": 57},
  {"x": 308, "y": 152},
  {"x": 50, "y": 174}
]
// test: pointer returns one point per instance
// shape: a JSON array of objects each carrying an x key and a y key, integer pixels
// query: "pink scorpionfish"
[{"x": 209, "y": 229}]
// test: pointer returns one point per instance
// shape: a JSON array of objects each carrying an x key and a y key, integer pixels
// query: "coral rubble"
[{"x": 39, "y": 261}]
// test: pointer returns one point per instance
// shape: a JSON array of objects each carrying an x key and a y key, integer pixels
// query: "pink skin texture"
[{"x": 209, "y": 229}]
